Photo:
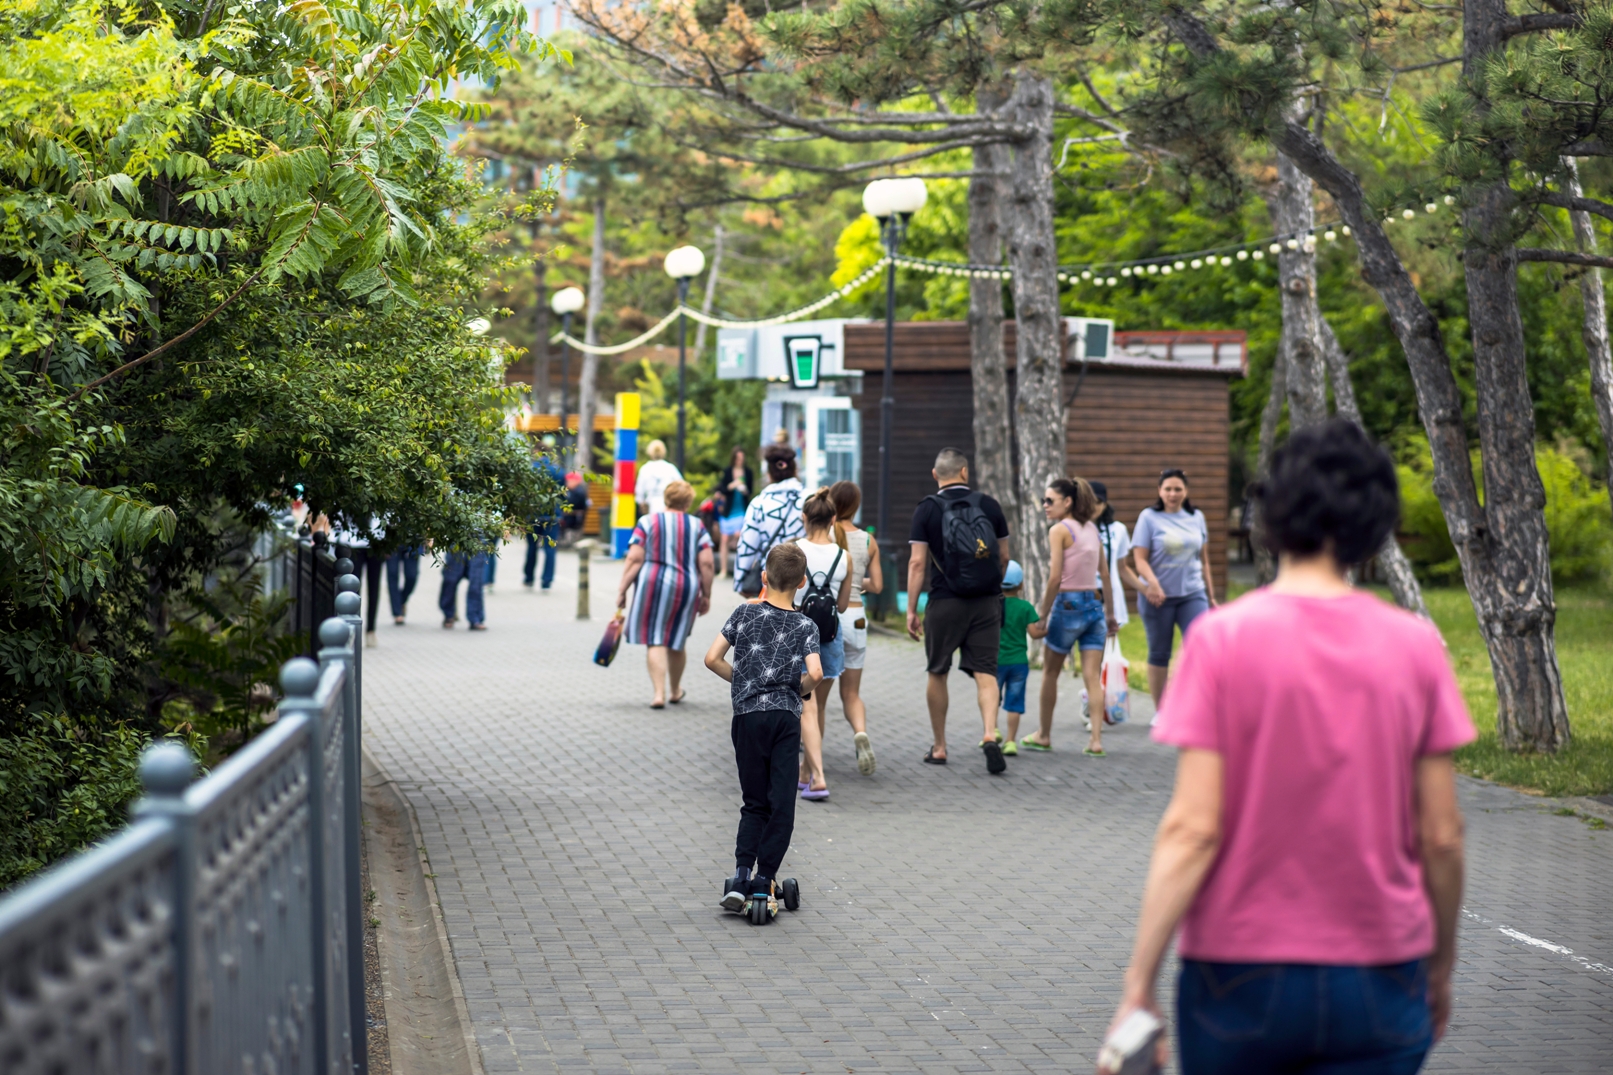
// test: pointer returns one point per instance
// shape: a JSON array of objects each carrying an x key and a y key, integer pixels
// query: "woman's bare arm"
[
  {"x": 1056, "y": 540},
  {"x": 875, "y": 581},
  {"x": 1209, "y": 575},
  {"x": 707, "y": 564},
  {"x": 843, "y": 602},
  {"x": 630, "y": 570}
]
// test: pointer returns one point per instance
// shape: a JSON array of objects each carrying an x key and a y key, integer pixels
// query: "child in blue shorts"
[{"x": 1013, "y": 660}]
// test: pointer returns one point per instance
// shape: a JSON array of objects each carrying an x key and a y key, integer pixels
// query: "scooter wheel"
[
  {"x": 758, "y": 912},
  {"x": 792, "y": 894}
]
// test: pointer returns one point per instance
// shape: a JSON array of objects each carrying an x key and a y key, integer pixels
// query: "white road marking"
[{"x": 1536, "y": 942}]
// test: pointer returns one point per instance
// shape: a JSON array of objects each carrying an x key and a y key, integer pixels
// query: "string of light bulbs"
[{"x": 1104, "y": 273}]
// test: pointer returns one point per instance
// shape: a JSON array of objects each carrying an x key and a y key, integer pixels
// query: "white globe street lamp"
[
  {"x": 892, "y": 202},
  {"x": 683, "y": 264},
  {"x": 565, "y": 302}
]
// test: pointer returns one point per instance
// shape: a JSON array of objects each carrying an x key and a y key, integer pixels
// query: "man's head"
[
  {"x": 951, "y": 468},
  {"x": 785, "y": 569},
  {"x": 655, "y": 449}
]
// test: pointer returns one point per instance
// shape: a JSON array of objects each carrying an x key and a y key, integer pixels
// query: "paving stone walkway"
[{"x": 952, "y": 922}]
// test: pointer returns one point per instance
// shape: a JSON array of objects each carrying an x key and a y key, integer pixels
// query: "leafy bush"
[{"x": 1578, "y": 519}]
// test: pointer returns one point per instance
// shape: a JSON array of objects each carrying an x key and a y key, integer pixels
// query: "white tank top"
[{"x": 857, "y": 545}]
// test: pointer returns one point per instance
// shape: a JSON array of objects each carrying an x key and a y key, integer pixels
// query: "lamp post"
[
  {"x": 566, "y": 301},
  {"x": 892, "y": 202},
  {"x": 683, "y": 264}
]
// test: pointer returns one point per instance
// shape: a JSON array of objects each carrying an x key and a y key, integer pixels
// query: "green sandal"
[
  {"x": 1030, "y": 744},
  {"x": 1089, "y": 752},
  {"x": 1010, "y": 749}
]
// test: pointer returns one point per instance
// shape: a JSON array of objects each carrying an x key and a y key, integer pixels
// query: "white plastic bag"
[{"x": 1116, "y": 691}]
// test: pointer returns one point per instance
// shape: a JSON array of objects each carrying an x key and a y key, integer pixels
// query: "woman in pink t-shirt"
[{"x": 1312, "y": 850}]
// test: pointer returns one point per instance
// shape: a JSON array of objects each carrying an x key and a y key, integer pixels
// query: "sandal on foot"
[
  {"x": 681, "y": 696},
  {"x": 816, "y": 795},
  {"x": 1030, "y": 744},
  {"x": 931, "y": 759},
  {"x": 994, "y": 757},
  {"x": 1089, "y": 752},
  {"x": 1010, "y": 749}
]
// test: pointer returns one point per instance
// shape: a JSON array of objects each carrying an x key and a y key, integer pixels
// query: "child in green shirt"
[{"x": 1013, "y": 660}]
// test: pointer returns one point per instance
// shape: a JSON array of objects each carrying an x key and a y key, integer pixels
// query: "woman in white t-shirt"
[
  {"x": 828, "y": 567},
  {"x": 653, "y": 478}
]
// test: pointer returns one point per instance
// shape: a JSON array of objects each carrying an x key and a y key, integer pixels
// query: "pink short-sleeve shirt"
[{"x": 1320, "y": 709}]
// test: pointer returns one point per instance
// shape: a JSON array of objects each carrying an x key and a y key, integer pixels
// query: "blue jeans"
[
  {"x": 1161, "y": 623},
  {"x": 543, "y": 536},
  {"x": 1011, "y": 685},
  {"x": 407, "y": 563},
  {"x": 1236, "y": 1018},
  {"x": 1076, "y": 619},
  {"x": 472, "y": 569},
  {"x": 833, "y": 656}
]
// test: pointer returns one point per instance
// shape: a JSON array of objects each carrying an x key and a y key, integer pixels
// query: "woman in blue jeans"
[{"x": 1171, "y": 546}]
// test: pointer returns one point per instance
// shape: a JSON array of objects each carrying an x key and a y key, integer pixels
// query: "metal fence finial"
[
  {"x": 334, "y": 632},
  {"x": 346, "y": 604},
  {"x": 299, "y": 678},
  {"x": 167, "y": 769},
  {"x": 343, "y": 566},
  {"x": 347, "y": 583}
]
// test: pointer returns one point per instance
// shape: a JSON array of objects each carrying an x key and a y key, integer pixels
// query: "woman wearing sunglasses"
[
  {"x": 1074, "y": 613},
  {"x": 1171, "y": 547}
]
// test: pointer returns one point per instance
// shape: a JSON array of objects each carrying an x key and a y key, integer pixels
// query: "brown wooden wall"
[{"x": 1124, "y": 427}]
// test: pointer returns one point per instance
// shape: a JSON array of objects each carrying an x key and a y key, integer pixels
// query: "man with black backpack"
[{"x": 964, "y": 536}]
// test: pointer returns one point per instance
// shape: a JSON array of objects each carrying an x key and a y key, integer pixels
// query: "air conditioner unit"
[{"x": 1092, "y": 339}]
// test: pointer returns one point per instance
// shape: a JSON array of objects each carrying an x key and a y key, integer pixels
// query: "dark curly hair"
[{"x": 1329, "y": 485}]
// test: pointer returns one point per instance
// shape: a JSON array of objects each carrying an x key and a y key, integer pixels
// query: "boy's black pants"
[{"x": 767, "y": 745}]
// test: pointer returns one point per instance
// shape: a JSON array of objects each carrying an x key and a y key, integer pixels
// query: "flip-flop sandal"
[
  {"x": 657, "y": 705},
  {"x": 994, "y": 757},
  {"x": 817, "y": 795},
  {"x": 931, "y": 759},
  {"x": 1094, "y": 753},
  {"x": 1028, "y": 743},
  {"x": 681, "y": 696}
]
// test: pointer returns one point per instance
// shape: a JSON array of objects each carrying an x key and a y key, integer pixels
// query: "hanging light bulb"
[
  {"x": 1086, "y": 274},
  {"x": 1153, "y": 270},
  {"x": 1243, "y": 255},
  {"x": 1198, "y": 263},
  {"x": 1126, "y": 271},
  {"x": 1165, "y": 270},
  {"x": 1431, "y": 207},
  {"x": 1345, "y": 229},
  {"x": 1293, "y": 244},
  {"x": 1258, "y": 255},
  {"x": 1330, "y": 235},
  {"x": 1226, "y": 261},
  {"x": 1276, "y": 248},
  {"x": 1180, "y": 266},
  {"x": 1113, "y": 281},
  {"x": 1407, "y": 213},
  {"x": 1450, "y": 200}
]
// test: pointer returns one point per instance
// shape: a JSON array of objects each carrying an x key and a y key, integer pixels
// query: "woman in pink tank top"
[{"x": 1075, "y": 615}]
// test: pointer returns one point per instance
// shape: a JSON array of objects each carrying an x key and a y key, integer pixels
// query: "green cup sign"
[{"x": 803, "y": 355}]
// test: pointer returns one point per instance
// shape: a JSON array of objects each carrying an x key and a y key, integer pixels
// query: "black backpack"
[
  {"x": 968, "y": 557},
  {"x": 821, "y": 604}
]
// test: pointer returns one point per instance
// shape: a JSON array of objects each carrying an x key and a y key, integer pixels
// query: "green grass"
[{"x": 1585, "y": 654}]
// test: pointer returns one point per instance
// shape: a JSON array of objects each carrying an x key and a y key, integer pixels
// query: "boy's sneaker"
[
  {"x": 865, "y": 753},
  {"x": 734, "y": 894}
]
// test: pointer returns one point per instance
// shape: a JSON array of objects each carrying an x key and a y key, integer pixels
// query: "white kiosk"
[{"x": 808, "y": 404}]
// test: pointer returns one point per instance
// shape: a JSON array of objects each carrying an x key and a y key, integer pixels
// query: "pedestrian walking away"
[
  {"x": 867, "y": 576},
  {"x": 772, "y": 518},
  {"x": 575, "y": 519},
  {"x": 1312, "y": 849},
  {"x": 649, "y": 491},
  {"x": 964, "y": 534},
  {"x": 353, "y": 543},
  {"x": 1013, "y": 653},
  {"x": 1171, "y": 548},
  {"x": 1117, "y": 551},
  {"x": 824, "y": 599},
  {"x": 776, "y": 665},
  {"x": 735, "y": 489},
  {"x": 669, "y": 557},
  {"x": 1072, "y": 606},
  {"x": 470, "y": 568},
  {"x": 402, "y": 575},
  {"x": 543, "y": 534}
]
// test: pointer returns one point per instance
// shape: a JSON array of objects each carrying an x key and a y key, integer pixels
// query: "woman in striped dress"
[{"x": 670, "y": 558}]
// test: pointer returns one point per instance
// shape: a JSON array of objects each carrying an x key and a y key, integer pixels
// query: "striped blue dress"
[{"x": 668, "y": 586}]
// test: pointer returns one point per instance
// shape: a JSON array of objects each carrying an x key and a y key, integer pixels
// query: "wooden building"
[{"x": 1160, "y": 401}]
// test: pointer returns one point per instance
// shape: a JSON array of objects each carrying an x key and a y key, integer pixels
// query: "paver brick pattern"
[{"x": 951, "y": 921}]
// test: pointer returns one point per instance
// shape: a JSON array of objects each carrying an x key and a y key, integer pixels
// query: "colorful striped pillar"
[{"x": 624, "y": 516}]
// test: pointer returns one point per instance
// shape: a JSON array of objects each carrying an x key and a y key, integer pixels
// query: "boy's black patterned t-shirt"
[{"x": 770, "y": 648}]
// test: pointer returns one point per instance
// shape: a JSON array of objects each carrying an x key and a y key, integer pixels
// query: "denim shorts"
[
  {"x": 1077, "y": 618},
  {"x": 1011, "y": 685},
  {"x": 833, "y": 656}
]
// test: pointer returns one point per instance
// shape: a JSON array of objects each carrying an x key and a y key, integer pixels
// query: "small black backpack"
[
  {"x": 968, "y": 557},
  {"x": 821, "y": 604}
]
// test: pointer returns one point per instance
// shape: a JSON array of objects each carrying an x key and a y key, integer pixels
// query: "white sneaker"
[{"x": 865, "y": 754}]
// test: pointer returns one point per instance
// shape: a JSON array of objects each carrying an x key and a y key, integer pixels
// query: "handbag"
[
  {"x": 1116, "y": 691},
  {"x": 751, "y": 581},
  {"x": 610, "y": 642}
]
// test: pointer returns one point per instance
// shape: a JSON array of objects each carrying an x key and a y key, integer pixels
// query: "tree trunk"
[
  {"x": 586, "y": 387},
  {"x": 1038, "y": 355},
  {"x": 1594, "y": 329},
  {"x": 988, "y": 366},
  {"x": 1265, "y": 561},
  {"x": 1294, "y": 214},
  {"x": 1517, "y": 631},
  {"x": 1511, "y": 589},
  {"x": 1392, "y": 560},
  {"x": 711, "y": 293},
  {"x": 540, "y": 342}
]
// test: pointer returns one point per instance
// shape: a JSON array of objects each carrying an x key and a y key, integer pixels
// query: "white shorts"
[{"x": 856, "y": 637}]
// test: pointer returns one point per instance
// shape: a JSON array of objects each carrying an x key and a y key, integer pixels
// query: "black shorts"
[{"x": 971, "y": 624}]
